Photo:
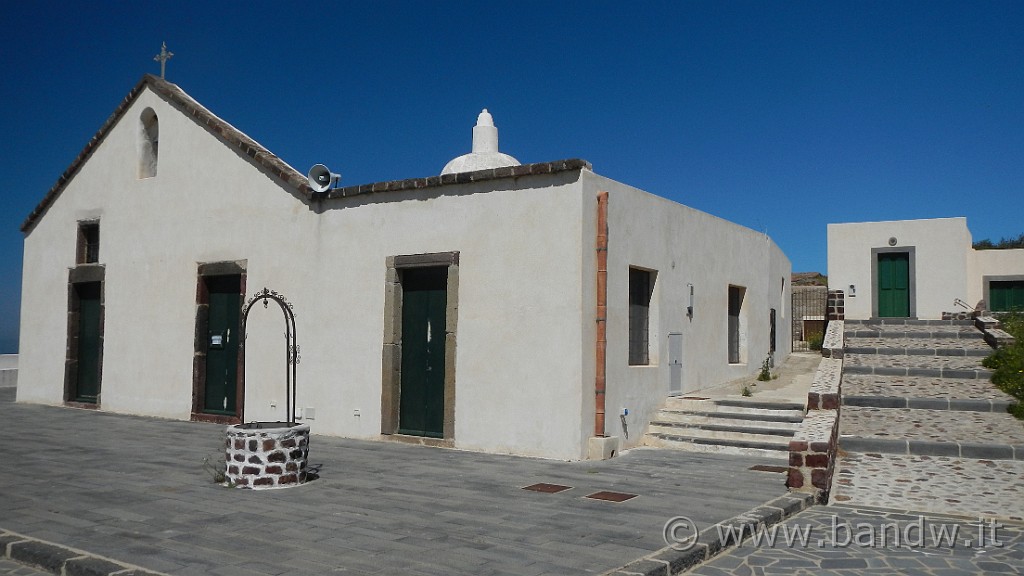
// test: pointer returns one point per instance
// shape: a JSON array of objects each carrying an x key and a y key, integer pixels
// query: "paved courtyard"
[
  {"x": 850, "y": 541},
  {"x": 134, "y": 489}
]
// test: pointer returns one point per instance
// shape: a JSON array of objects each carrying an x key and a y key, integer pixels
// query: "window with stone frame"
[
  {"x": 640, "y": 289},
  {"x": 88, "y": 243}
]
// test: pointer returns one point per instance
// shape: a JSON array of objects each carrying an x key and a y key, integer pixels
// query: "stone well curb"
[
  {"x": 669, "y": 561},
  {"x": 62, "y": 560}
]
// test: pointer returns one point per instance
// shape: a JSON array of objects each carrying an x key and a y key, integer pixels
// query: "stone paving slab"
[
  {"x": 26, "y": 555},
  {"x": 851, "y": 541},
  {"x": 10, "y": 568},
  {"x": 909, "y": 365},
  {"x": 932, "y": 484},
  {"x": 936, "y": 425},
  {"x": 933, "y": 346},
  {"x": 134, "y": 489},
  {"x": 921, "y": 387}
]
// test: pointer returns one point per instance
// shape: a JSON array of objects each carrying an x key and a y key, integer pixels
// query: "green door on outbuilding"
[
  {"x": 1006, "y": 295},
  {"x": 894, "y": 284}
]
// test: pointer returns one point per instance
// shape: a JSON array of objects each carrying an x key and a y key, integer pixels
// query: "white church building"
[{"x": 498, "y": 307}]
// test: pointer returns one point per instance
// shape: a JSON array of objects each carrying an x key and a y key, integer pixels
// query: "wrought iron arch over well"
[{"x": 291, "y": 348}]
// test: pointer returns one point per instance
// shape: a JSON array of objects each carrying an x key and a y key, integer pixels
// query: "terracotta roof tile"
[{"x": 266, "y": 160}]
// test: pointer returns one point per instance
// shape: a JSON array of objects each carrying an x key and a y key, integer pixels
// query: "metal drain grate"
[
  {"x": 611, "y": 496},
  {"x": 767, "y": 468},
  {"x": 547, "y": 488}
]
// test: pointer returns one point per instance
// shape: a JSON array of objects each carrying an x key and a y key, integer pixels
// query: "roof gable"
[{"x": 230, "y": 136}]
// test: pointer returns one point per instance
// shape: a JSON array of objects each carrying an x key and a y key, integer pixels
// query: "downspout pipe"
[{"x": 601, "y": 343}]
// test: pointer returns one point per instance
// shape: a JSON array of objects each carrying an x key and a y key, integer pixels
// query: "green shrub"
[
  {"x": 766, "y": 369},
  {"x": 815, "y": 340},
  {"x": 1007, "y": 362}
]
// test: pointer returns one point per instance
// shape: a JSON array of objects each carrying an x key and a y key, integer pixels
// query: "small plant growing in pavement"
[
  {"x": 815, "y": 340},
  {"x": 1007, "y": 362},
  {"x": 215, "y": 467},
  {"x": 766, "y": 369}
]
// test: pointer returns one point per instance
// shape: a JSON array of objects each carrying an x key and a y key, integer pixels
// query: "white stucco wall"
[
  {"x": 519, "y": 327},
  {"x": 204, "y": 205},
  {"x": 684, "y": 246},
  {"x": 525, "y": 357},
  {"x": 987, "y": 265},
  {"x": 939, "y": 263},
  {"x": 518, "y": 364}
]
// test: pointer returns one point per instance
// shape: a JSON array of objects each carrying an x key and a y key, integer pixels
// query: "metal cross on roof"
[{"x": 162, "y": 58}]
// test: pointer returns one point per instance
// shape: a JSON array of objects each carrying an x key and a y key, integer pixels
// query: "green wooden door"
[
  {"x": 1006, "y": 295},
  {"x": 220, "y": 390},
  {"x": 90, "y": 320},
  {"x": 421, "y": 404},
  {"x": 894, "y": 285}
]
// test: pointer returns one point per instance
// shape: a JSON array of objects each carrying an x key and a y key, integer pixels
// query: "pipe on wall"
[{"x": 601, "y": 343}]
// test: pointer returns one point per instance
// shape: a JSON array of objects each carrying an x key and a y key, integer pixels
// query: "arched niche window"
[{"x": 149, "y": 142}]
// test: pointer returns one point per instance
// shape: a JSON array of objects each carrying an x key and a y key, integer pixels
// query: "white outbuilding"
[
  {"x": 920, "y": 269},
  {"x": 496, "y": 307}
]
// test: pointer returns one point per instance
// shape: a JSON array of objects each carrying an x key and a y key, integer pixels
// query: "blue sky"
[{"x": 781, "y": 116}]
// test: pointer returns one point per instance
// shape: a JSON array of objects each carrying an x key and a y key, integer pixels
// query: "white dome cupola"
[{"x": 485, "y": 149}]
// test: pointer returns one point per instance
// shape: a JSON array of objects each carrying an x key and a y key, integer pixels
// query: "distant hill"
[{"x": 809, "y": 279}]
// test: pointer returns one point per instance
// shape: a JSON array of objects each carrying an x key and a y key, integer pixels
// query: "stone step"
[
  {"x": 764, "y": 449},
  {"x": 726, "y": 425},
  {"x": 781, "y": 416},
  {"x": 762, "y": 405},
  {"x": 961, "y": 367},
  {"x": 919, "y": 346},
  {"x": 890, "y": 350},
  {"x": 733, "y": 406},
  {"x": 717, "y": 429},
  {"x": 955, "y": 404},
  {"x": 907, "y": 322},
  {"x": 923, "y": 388},
  {"x": 942, "y": 431},
  {"x": 968, "y": 487},
  {"x": 968, "y": 334}
]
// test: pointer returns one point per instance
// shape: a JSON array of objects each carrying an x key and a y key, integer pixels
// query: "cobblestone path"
[{"x": 939, "y": 442}]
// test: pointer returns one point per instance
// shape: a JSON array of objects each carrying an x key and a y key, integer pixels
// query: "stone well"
[{"x": 262, "y": 455}]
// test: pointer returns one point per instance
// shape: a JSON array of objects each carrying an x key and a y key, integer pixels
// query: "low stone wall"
[
  {"x": 812, "y": 451},
  {"x": 961, "y": 315},
  {"x": 824, "y": 393},
  {"x": 266, "y": 454},
  {"x": 832, "y": 345},
  {"x": 996, "y": 338},
  {"x": 835, "y": 309},
  {"x": 993, "y": 334},
  {"x": 812, "y": 454}
]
